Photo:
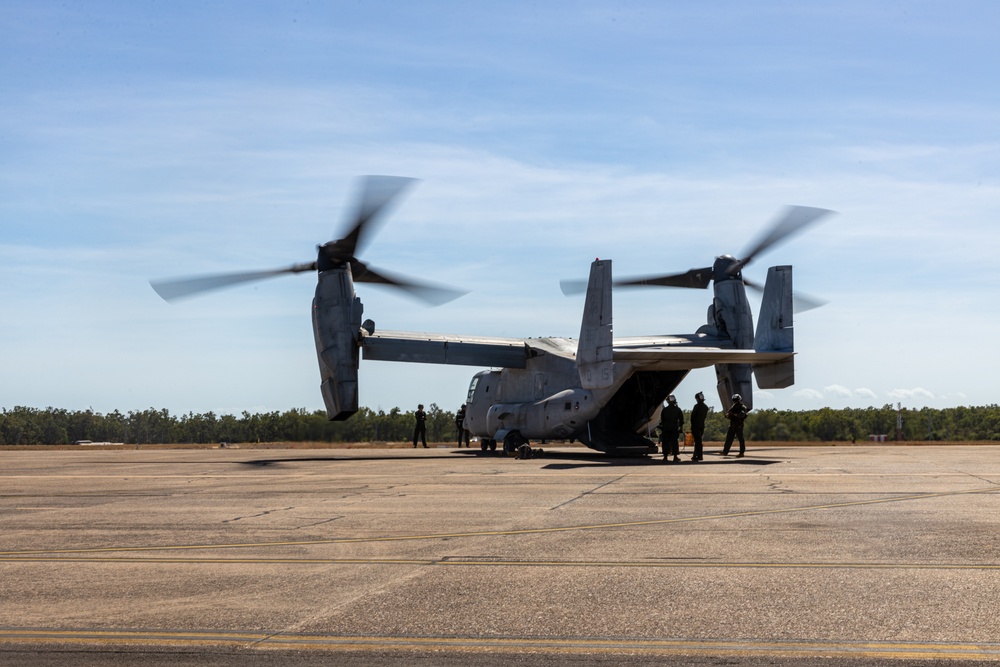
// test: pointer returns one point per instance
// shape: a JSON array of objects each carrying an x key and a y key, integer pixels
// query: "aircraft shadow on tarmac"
[
  {"x": 555, "y": 460},
  {"x": 333, "y": 459},
  {"x": 598, "y": 460}
]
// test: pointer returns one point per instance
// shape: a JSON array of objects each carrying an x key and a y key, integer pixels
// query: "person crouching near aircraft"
[
  {"x": 671, "y": 425},
  {"x": 736, "y": 415},
  {"x": 698, "y": 414}
]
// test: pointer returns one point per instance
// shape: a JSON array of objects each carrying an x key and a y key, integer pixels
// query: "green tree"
[{"x": 21, "y": 426}]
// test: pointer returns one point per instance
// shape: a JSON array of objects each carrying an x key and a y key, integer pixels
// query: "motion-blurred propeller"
[
  {"x": 376, "y": 194},
  {"x": 794, "y": 219}
]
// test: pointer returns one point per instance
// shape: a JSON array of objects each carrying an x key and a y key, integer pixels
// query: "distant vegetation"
[
  {"x": 51, "y": 426},
  {"x": 29, "y": 426}
]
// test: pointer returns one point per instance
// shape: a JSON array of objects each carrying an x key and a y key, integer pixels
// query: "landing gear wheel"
[{"x": 512, "y": 441}]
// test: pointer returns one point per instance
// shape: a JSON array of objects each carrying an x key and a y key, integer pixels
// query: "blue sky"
[{"x": 145, "y": 140}]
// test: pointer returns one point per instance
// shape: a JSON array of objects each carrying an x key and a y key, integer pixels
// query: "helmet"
[
  {"x": 671, "y": 399},
  {"x": 700, "y": 396},
  {"x": 737, "y": 397}
]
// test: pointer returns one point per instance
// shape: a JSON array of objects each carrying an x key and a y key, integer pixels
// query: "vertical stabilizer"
[
  {"x": 594, "y": 352},
  {"x": 774, "y": 330}
]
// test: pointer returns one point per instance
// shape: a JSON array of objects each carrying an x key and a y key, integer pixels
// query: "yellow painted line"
[
  {"x": 33, "y": 509},
  {"x": 590, "y": 645},
  {"x": 50, "y": 633},
  {"x": 519, "y": 531},
  {"x": 223, "y": 561},
  {"x": 125, "y": 475},
  {"x": 489, "y": 562}
]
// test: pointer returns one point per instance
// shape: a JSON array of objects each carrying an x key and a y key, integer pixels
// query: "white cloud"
[
  {"x": 917, "y": 392},
  {"x": 866, "y": 393},
  {"x": 809, "y": 393},
  {"x": 838, "y": 390}
]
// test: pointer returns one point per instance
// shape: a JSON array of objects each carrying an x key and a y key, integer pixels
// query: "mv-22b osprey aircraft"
[{"x": 603, "y": 391}]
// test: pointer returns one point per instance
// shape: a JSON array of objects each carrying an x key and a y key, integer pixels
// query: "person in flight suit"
[
  {"x": 420, "y": 430},
  {"x": 698, "y": 414},
  {"x": 736, "y": 415},
  {"x": 671, "y": 425}
]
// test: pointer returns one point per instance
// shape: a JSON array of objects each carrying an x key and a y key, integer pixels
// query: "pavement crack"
[
  {"x": 259, "y": 514},
  {"x": 319, "y": 522},
  {"x": 589, "y": 492}
]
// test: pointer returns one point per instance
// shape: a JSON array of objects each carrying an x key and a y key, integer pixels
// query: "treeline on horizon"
[{"x": 52, "y": 426}]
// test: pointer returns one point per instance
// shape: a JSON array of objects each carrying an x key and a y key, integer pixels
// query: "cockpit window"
[{"x": 472, "y": 389}]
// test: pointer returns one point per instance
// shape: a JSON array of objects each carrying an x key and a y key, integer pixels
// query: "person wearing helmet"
[
  {"x": 737, "y": 414},
  {"x": 671, "y": 425},
  {"x": 698, "y": 414}
]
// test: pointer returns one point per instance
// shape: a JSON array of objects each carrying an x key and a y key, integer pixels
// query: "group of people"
[
  {"x": 420, "y": 429},
  {"x": 672, "y": 427}
]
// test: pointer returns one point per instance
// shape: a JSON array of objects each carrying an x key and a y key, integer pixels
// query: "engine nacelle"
[
  {"x": 732, "y": 318},
  {"x": 560, "y": 415},
  {"x": 337, "y": 312}
]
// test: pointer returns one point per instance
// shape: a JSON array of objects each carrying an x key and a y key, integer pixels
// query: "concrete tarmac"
[{"x": 853, "y": 555}]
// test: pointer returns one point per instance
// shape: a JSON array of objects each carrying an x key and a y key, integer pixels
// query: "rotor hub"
[{"x": 722, "y": 267}]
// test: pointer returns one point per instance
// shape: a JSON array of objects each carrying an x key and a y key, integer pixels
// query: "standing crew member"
[
  {"x": 463, "y": 433},
  {"x": 420, "y": 430},
  {"x": 737, "y": 415},
  {"x": 698, "y": 414},
  {"x": 671, "y": 425}
]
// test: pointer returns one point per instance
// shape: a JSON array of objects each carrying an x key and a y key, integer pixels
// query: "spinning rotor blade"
[
  {"x": 377, "y": 192},
  {"x": 795, "y": 219},
  {"x": 432, "y": 294},
  {"x": 803, "y": 302},
  {"x": 171, "y": 290},
  {"x": 695, "y": 278},
  {"x": 571, "y": 287},
  {"x": 800, "y": 302}
]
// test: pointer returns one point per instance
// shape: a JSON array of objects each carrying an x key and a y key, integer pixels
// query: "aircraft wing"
[
  {"x": 430, "y": 348},
  {"x": 664, "y": 353},
  {"x": 647, "y": 352}
]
